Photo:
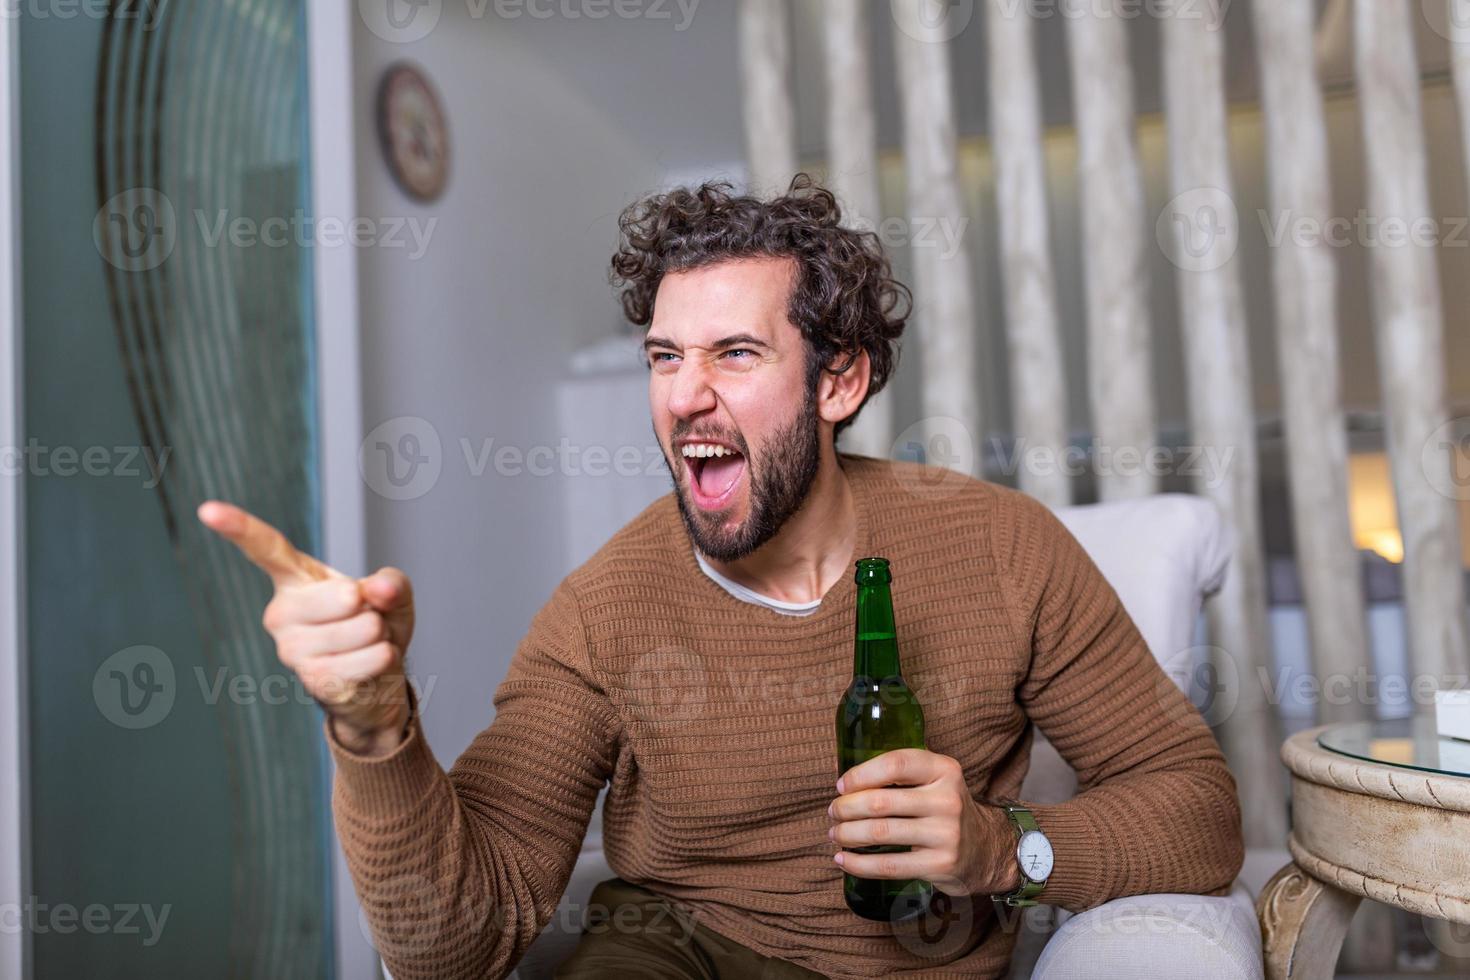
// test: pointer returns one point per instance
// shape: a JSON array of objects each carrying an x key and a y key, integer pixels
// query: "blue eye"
[{"x": 740, "y": 350}]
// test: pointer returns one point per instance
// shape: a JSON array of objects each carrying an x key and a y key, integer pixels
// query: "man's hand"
[
  {"x": 919, "y": 798},
  {"x": 345, "y": 638}
]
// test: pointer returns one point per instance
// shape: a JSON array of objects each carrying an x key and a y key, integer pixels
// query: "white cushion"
[
  {"x": 1162, "y": 555},
  {"x": 1158, "y": 937}
]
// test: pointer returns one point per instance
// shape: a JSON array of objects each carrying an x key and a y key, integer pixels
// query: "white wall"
[{"x": 556, "y": 124}]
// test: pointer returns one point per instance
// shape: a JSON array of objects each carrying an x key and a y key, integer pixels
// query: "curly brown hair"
[{"x": 845, "y": 300}]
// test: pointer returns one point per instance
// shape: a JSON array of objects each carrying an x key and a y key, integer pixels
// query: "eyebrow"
[{"x": 734, "y": 340}]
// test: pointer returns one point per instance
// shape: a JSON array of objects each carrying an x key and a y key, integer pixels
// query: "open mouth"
[{"x": 714, "y": 473}]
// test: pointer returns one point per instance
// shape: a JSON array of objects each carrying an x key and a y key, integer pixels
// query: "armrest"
[{"x": 1152, "y": 937}]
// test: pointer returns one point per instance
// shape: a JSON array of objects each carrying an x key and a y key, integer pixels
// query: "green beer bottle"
[{"x": 878, "y": 713}]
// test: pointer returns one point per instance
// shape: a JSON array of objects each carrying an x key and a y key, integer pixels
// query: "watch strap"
[
  {"x": 1021, "y": 817},
  {"x": 1023, "y": 820}
]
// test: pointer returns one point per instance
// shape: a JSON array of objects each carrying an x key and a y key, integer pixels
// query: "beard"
[{"x": 780, "y": 477}]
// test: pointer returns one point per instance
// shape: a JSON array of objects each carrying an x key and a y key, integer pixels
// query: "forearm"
[
  {"x": 430, "y": 901},
  {"x": 1158, "y": 811},
  {"x": 370, "y": 743},
  {"x": 457, "y": 872},
  {"x": 1175, "y": 828}
]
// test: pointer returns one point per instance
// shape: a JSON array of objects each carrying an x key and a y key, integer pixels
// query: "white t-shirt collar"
[{"x": 750, "y": 595}]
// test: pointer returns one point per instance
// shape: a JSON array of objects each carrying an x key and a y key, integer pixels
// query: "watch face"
[{"x": 1034, "y": 852}]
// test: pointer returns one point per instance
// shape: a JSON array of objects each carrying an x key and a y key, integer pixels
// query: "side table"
[{"x": 1380, "y": 810}]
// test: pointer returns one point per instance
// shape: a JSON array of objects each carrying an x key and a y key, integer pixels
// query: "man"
[{"x": 694, "y": 665}]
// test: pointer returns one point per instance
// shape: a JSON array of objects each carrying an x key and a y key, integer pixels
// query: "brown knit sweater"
[{"x": 713, "y": 721}]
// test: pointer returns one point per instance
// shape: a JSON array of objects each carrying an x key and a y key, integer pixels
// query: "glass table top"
[{"x": 1409, "y": 743}]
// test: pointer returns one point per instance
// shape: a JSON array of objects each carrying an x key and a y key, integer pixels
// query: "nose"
[{"x": 691, "y": 393}]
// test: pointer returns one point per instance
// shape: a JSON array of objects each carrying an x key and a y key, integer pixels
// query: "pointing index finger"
[{"x": 267, "y": 547}]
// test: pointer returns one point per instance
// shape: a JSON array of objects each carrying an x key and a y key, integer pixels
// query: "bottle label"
[{"x": 875, "y": 636}]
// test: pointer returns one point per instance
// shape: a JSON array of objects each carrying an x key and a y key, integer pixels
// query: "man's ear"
[{"x": 839, "y": 395}]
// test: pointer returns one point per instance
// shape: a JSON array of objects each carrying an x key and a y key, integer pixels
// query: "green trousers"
[{"x": 631, "y": 932}]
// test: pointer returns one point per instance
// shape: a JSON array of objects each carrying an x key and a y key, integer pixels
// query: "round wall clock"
[{"x": 413, "y": 132}]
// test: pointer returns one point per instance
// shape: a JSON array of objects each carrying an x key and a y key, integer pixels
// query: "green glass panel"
[{"x": 178, "y": 808}]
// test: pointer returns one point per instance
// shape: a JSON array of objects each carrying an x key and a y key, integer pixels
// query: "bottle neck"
[{"x": 875, "y": 653}]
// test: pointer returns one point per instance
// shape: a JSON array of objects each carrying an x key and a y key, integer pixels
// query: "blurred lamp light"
[{"x": 1371, "y": 508}]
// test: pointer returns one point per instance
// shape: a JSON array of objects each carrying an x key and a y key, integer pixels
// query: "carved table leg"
[{"x": 1303, "y": 922}]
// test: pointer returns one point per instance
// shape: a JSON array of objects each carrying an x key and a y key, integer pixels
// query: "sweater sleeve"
[
  {"x": 1157, "y": 809},
  {"x": 458, "y": 872}
]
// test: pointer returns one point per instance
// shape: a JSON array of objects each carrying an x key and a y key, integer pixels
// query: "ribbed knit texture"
[{"x": 714, "y": 721}]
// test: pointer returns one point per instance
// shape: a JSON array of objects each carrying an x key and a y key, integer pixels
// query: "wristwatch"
[{"x": 1033, "y": 852}]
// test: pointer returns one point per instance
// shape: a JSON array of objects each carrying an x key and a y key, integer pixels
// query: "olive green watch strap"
[
  {"x": 1022, "y": 818},
  {"x": 1025, "y": 896}
]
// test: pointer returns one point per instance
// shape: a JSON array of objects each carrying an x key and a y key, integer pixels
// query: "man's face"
[{"x": 731, "y": 406}]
